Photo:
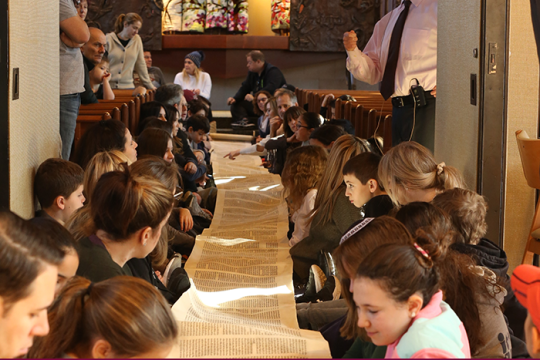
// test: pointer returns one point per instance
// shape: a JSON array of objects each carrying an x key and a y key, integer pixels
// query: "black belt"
[{"x": 401, "y": 101}]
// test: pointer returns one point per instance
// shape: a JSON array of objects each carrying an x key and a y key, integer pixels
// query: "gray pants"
[{"x": 313, "y": 316}]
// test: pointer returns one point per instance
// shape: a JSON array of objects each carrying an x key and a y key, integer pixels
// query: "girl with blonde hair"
[
  {"x": 410, "y": 173},
  {"x": 101, "y": 163},
  {"x": 302, "y": 171},
  {"x": 333, "y": 213},
  {"x": 192, "y": 77},
  {"x": 122, "y": 317}
]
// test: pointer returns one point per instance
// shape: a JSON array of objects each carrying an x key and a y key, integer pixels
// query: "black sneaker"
[
  {"x": 315, "y": 283},
  {"x": 331, "y": 290}
]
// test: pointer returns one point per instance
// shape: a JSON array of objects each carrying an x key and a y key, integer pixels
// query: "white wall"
[{"x": 33, "y": 118}]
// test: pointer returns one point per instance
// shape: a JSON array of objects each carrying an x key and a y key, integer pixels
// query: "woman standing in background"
[{"x": 126, "y": 53}]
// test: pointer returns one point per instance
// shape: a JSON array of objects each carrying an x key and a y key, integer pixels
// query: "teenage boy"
[
  {"x": 58, "y": 186},
  {"x": 526, "y": 284},
  {"x": 364, "y": 189}
]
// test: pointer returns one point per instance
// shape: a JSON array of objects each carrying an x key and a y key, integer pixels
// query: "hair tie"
[
  {"x": 87, "y": 293},
  {"x": 440, "y": 168},
  {"x": 422, "y": 251},
  {"x": 356, "y": 229}
]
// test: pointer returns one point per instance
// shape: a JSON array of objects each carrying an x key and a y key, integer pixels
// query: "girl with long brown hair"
[
  {"x": 399, "y": 303},
  {"x": 333, "y": 213},
  {"x": 303, "y": 170},
  {"x": 122, "y": 317},
  {"x": 127, "y": 213},
  {"x": 473, "y": 292}
]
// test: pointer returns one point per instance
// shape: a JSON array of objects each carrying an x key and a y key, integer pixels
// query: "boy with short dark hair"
[
  {"x": 58, "y": 186},
  {"x": 197, "y": 127},
  {"x": 364, "y": 189}
]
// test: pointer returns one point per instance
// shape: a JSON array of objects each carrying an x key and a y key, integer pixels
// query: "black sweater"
[{"x": 270, "y": 80}]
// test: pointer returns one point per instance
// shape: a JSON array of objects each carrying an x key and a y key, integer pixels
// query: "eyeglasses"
[
  {"x": 299, "y": 125},
  {"x": 262, "y": 99}
]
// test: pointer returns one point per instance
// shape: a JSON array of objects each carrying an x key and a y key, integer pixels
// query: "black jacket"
[{"x": 270, "y": 80}]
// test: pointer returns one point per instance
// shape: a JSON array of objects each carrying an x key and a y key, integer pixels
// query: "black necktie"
[{"x": 389, "y": 77}]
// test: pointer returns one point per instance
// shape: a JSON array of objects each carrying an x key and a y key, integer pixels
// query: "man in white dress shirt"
[{"x": 406, "y": 40}]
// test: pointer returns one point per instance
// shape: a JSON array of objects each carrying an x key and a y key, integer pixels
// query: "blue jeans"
[{"x": 69, "y": 109}]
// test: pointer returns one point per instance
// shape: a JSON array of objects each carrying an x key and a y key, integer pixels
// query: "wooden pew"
[
  {"x": 370, "y": 114},
  {"x": 86, "y": 121}
]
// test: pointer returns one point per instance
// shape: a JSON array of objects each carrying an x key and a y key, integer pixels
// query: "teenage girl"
[
  {"x": 303, "y": 169},
  {"x": 333, "y": 213},
  {"x": 472, "y": 291},
  {"x": 28, "y": 274},
  {"x": 127, "y": 213},
  {"x": 409, "y": 173},
  {"x": 270, "y": 114},
  {"x": 399, "y": 303},
  {"x": 122, "y": 317},
  {"x": 305, "y": 125},
  {"x": 105, "y": 136},
  {"x": 156, "y": 142}
]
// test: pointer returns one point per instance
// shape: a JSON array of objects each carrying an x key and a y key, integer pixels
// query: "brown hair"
[
  {"x": 467, "y": 210},
  {"x": 364, "y": 167},
  {"x": 128, "y": 18},
  {"x": 412, "y": 165},
  {"x": 402, "y": 270},
  {"x": 350, "y": 254},
  {"x": 256, "y": 109},
  {"x": 106, "y": 135},
  {"x": 167, "y": 173},
  {"x": 123, "y": 203},
  {"x": 256, "y": 55},
  {"x": 461, "y": 284},
  {"x": 302, "y": 171},
  {"x": 292, "y": 113},
  {"x": 153, "y": 141},
  {"x": 125, "y": 311},
  {"x": 56, "y": 177},
  {"x": 331, "y": 182},
  {"x": 25, "y": 253}
]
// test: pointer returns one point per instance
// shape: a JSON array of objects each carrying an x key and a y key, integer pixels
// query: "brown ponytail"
[
  {"x": 402, "y": 270},
  {"x": 123, "y": 203},
  {"x": 130, "y": 18},
  {"x": 167, "y": 173},
  {"x": 461, "y": 284},
  {"x": 125, "y": 311}
]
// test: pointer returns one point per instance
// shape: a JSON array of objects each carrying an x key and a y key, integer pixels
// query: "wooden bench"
[
  {"x": 84, "y": 122},
  {"x": 369, "y": 114}
]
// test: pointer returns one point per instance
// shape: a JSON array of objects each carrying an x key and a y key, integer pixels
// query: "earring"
[
  {"x": 144, "y": 243},
  {"x": 413, "y": 314}
]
